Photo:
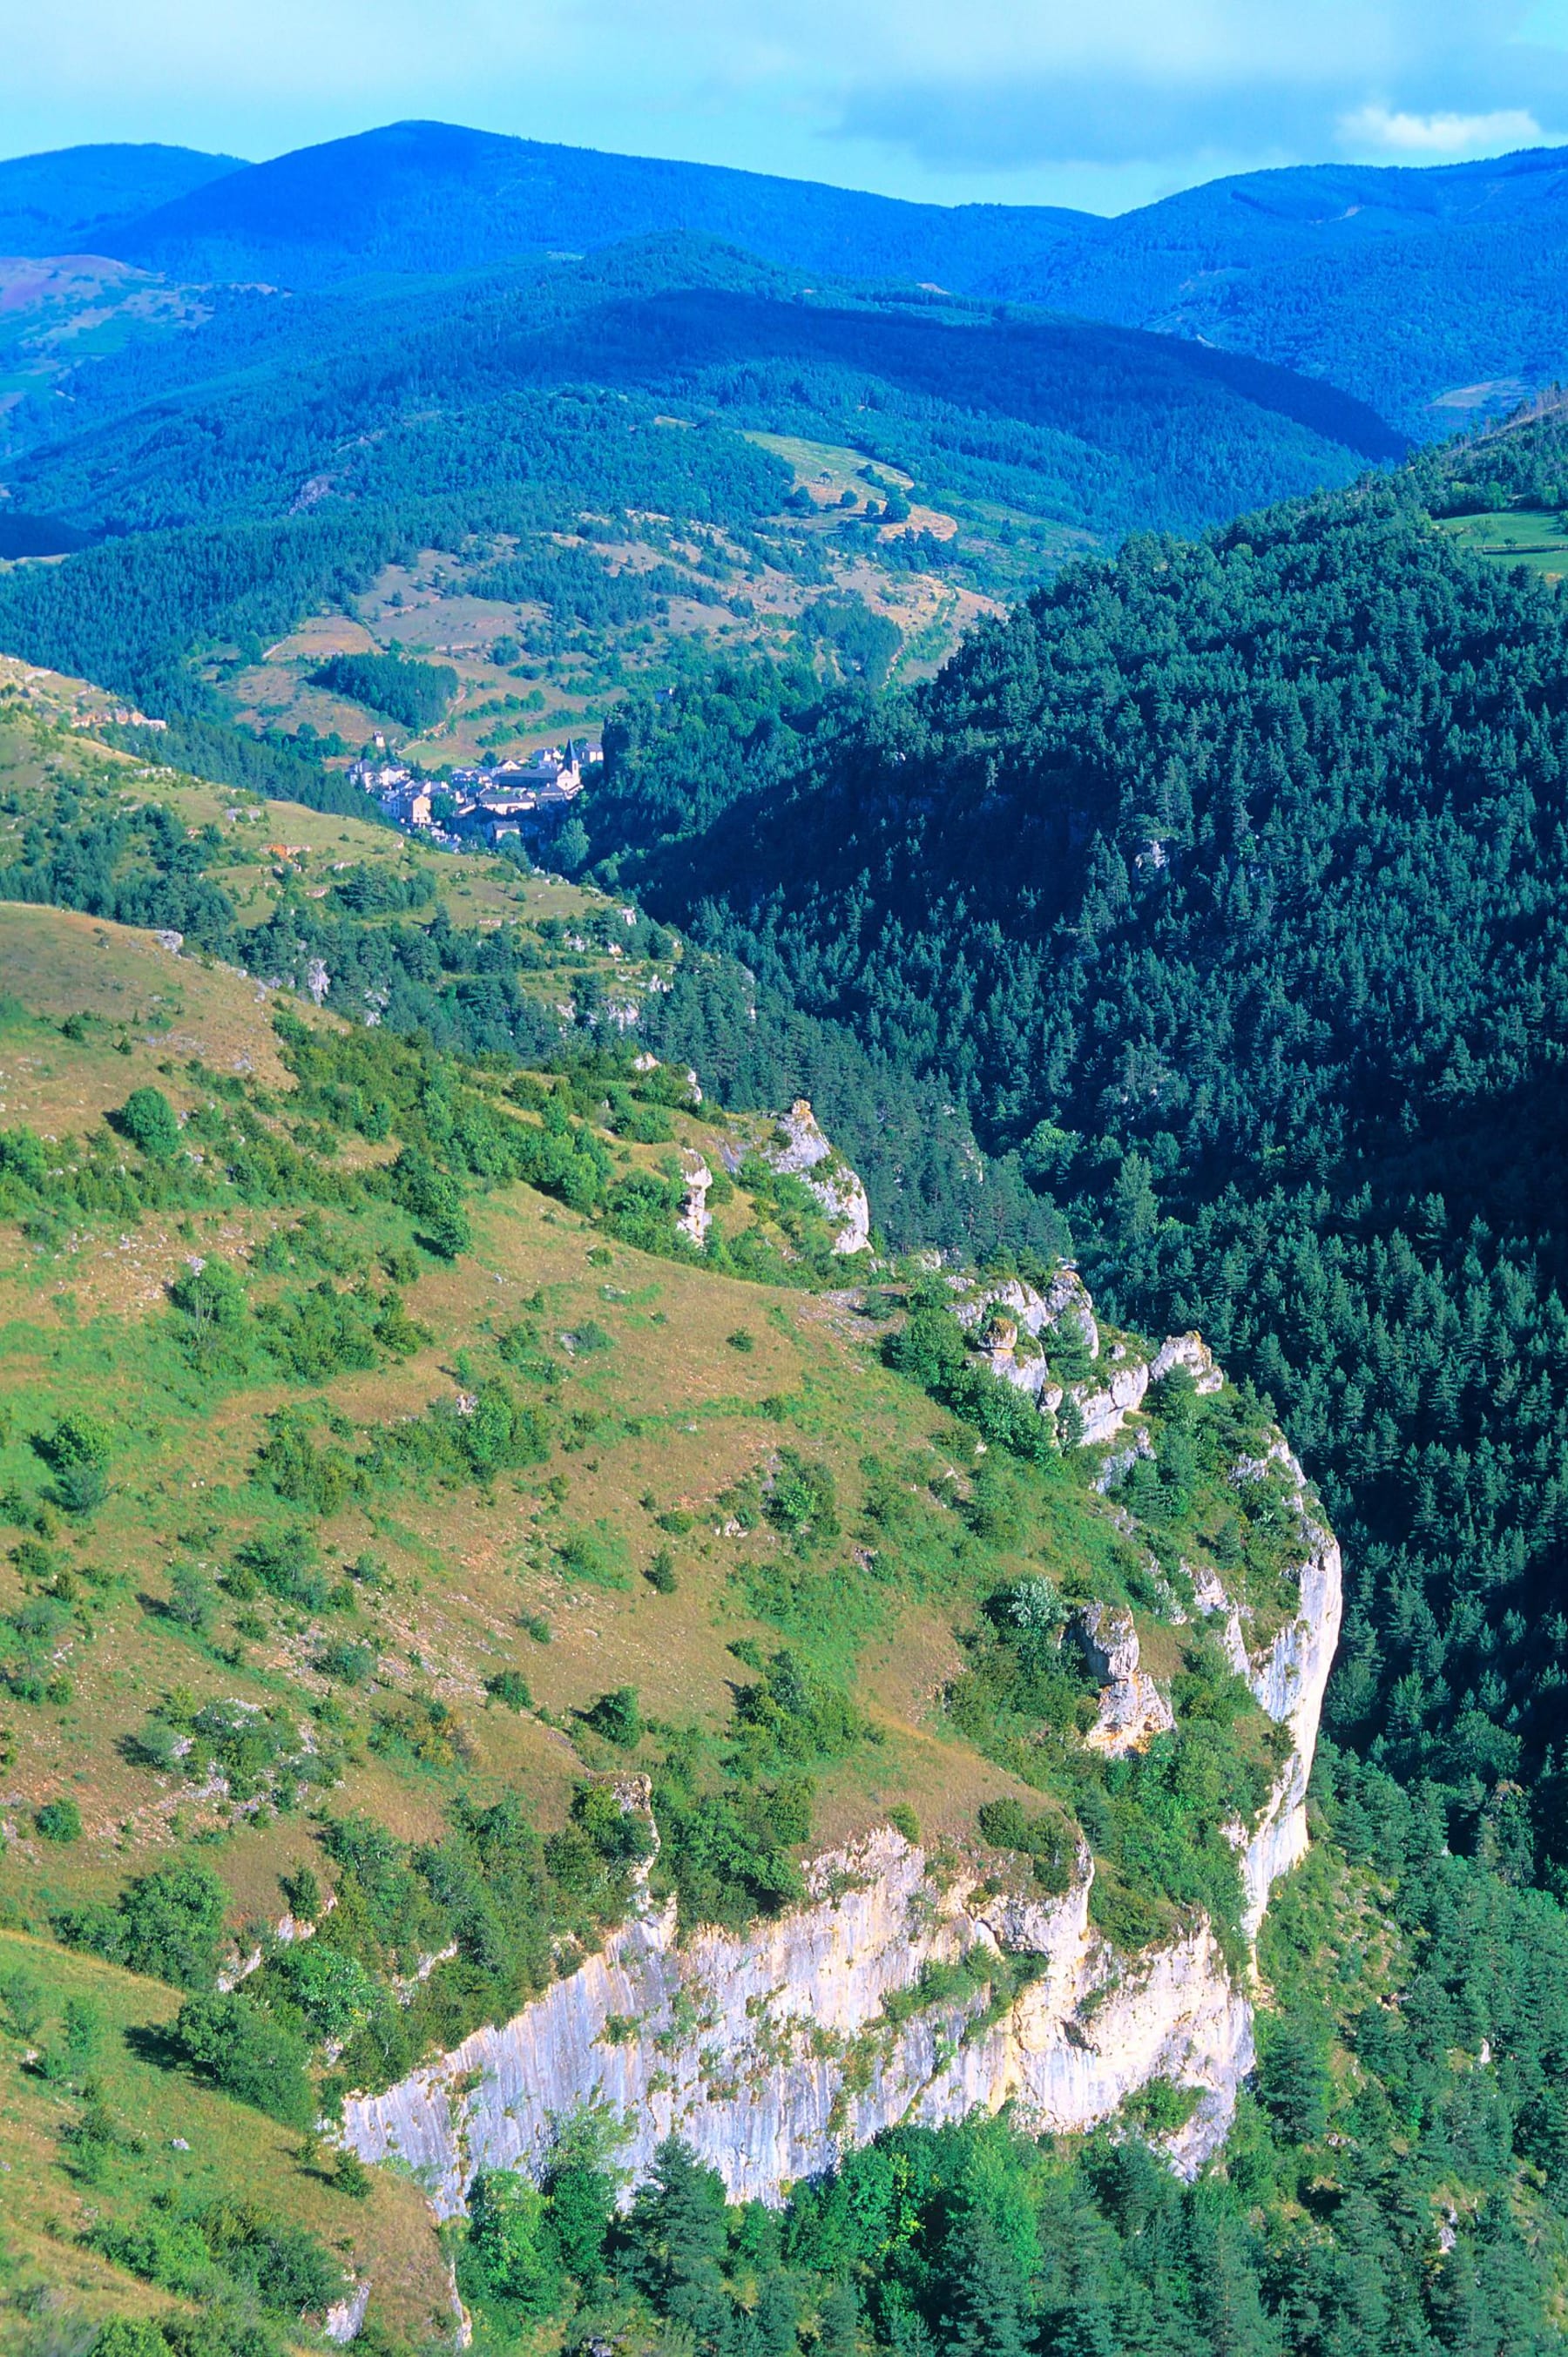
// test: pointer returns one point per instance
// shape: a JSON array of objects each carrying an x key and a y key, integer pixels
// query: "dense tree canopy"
[{"x": 1225, "y": 886}]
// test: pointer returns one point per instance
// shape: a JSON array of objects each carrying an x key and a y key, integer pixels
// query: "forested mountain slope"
[
  {"x": 1434, "y": 293},
  {"x": 406, "y": 1519},
  {"x": 589, "y": 466},
  {"x": 1227, "y": 883},
  {"x": 1401, "y": 285},
  {"x": 282, "y": 385},
  {"x": 82, "y": 199},
  {"x": 435, "y": 195}
]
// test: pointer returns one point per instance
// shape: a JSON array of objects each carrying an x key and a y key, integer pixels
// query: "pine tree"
[
  {"x": 680, "y": 2236},
  {"x": 986, "y": 2300},
  {"x": 838, "y": 2329}
]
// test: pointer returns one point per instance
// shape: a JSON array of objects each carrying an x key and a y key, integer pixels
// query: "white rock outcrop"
[
  {"x": 1105, "y": 1407},
  {"x": 1065, "y": 1299},
  {"x": 1191, "y": 1351},
  {"x": 800, "y": 1148},
  {"x": 1133, "y": 1710},
  {"x": 771, "y": 2051},
  {"x": 774, "y": 2050},
  {"x": 346, "y": 2317},
  {"x": 1289, "y": 1678},
  {"x": 695, "y": 1218},
  {"x": 1012, "y": 1354},
  {"x": 1005, "y": 1317}
]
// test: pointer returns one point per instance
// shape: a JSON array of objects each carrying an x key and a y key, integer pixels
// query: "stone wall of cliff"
[{"x": 773, "y": 2051}]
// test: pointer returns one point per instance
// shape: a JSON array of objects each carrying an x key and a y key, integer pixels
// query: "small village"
[{"x": 526, "y": 798}]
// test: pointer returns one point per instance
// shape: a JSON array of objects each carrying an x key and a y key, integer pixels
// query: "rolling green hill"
[
  {"x": 1432, "y": 293},
  {"x": 1223, "y": 885},
  {"x": 387, "y": 1476},
  {"x": 81, "y": 200},
  {"x": 596, "y": 467}
]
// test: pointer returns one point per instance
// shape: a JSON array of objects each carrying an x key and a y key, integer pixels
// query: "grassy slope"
[
  {"x": 269, "y": 848},
  {"x": 84, "y": 1326},
  {"x": 428, "y": 610},
  {"x": 662, "y": 1435},
  {"x": 233, "y": 2152},
  {"x": 1531, "y": 537}
]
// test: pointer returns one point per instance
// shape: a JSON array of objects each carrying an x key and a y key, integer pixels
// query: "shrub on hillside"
[
  {"x": 149, "y": 1121},
  {"x": 252, "y": 2053},
  {"x": 616, "y": 1718},
  {"x": 77, "y": 1452},
  {"x": 168, "y": 1924}
]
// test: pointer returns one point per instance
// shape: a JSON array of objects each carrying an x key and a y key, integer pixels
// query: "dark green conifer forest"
[
  {"x": 1224, "y": 887},
  {"x": 1206, "y": 917}
]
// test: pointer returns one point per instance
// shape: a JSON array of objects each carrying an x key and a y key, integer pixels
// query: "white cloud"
[
  {"x": 1381, "y": 131},
  {"x": 1044, "y": 100}
]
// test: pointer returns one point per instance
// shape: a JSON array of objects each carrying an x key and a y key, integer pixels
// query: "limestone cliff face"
[
  {"x": 695, "y": 1219},
  {"x": 771, "y": 2053},
  {"x": 1289, "y": 1678},
  {"x": 774, "y": 2050},
  {"x": 799, "y": 1148},
  {"x": 1007, "y": 1319}
]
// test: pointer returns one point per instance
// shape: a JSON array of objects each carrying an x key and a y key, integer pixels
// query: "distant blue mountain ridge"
[
  {"x": 84, "y": 200},
  {"x": 1433, "y": 294}
]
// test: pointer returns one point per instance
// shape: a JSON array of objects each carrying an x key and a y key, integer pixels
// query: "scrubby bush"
[
  {"x": 230, "y": 2252},
  {"x": 148, "y": 1120},
  {"x": 67, "y": 2061},
  {"x": 211, "y": 1302},
  {"x": 661, "y": 1573},
  {"x": 290, "y": 2269},
  {"x": 319, "y": 1478},
  {"x": 616, "y": 1718},
  {"x": 192, "y": 1599},
  {"x": 931, "y": 1351},
  {"x": 1043, "y": 1839},
  {"x": 509, "y": 2246},
  {"x": 802, "y": 1498},
  {"x": 790, "y": 1715},
  {"x": 350, "y": 1663},
  {"x": 78, "y": 1451},
  {"x": 285, "y": 1564},
  {"x": 129, "y": 2336},
  {"x": 252, "y": 2053},
  {"x": 333, "y": 1991},
  {"x": 168, "y": 1924},
  {"x": 509, "y": 1686},
  {"x": 730, "y": 1855},
  {"x": 22, "y": 1995},
  {"x": 153, "y": 1746}
]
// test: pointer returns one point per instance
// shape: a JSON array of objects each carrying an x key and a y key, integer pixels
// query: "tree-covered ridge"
[
  {"x": 68, "y": 200},
  {"x": 269, "y": 463},
  {"x": 385, "y": 944},
  {"x": 1397, "y": 283},
  {"x": 1225, "y": 884},
  {"x": 1094, "y": 425}
]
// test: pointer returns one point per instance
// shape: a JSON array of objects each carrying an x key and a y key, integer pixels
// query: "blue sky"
[{"x": 1024, "y": 101}]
